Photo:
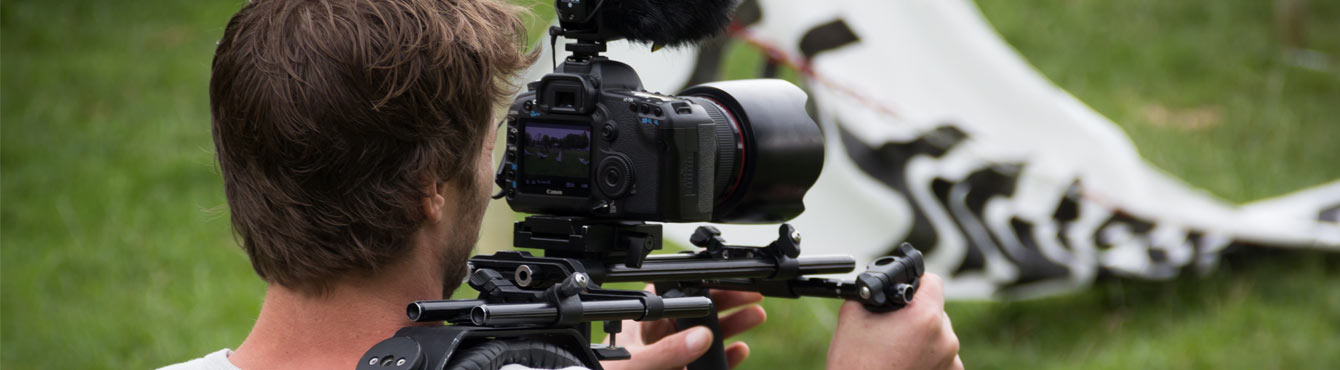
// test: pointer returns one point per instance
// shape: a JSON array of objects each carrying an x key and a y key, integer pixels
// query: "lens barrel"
[{"x": 769, "y": 150}]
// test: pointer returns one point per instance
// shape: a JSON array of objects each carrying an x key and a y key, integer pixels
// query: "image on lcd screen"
[{"x": 556, "y": 157}]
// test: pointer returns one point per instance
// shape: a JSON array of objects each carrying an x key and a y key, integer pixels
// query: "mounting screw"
[
  {"x": 795, "y": 237},
  {"x": 373, "y": 361},
  {"x": 865, "y": 292},
  {"x": 581, "y": 279},
  {"x": 524, "y": 275}
]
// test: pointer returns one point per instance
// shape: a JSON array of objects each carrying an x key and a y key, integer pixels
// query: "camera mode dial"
[{"x": 615, "y": 177}]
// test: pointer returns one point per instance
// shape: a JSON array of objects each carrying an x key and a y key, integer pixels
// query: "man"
[{"x": 355, "y": 141}]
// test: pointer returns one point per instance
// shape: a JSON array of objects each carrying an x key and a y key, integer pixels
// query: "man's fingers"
[
  {"x": 932, "y": 291},
  {"x": 728, "y": 299},
  {"x": 653, "y": 331},
  {"x": 734, "y": 323},
  {"x": 951, "y": 343},
  {"x": 947, "y": 329},
  {"x": 674, "y": 351},
  {"x": 742, "y": 320},
  {"x": 736, "y": 353},
  {"x": 631, "y": 331}
]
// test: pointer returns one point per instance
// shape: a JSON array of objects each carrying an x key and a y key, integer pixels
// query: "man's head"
[{"x": 337, "y": 122}]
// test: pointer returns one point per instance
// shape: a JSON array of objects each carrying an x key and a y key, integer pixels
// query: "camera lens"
[{"x": 769, "y": 150}]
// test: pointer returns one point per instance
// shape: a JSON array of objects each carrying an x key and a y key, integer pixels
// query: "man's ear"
[{"x": 434, "y": 203}]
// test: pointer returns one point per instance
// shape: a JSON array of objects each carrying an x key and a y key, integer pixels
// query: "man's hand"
[
  {"x": 656, "y": 346},
  {"x": 918, "y": 336}
]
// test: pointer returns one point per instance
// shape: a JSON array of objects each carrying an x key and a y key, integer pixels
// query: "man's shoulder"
[{"x": 213, "y": 361}]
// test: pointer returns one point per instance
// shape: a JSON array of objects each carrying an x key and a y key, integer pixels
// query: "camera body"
[{"x": 586, "y": 140}]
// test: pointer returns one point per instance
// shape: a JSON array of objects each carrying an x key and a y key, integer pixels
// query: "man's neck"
[{"x": 332, "y": 331}]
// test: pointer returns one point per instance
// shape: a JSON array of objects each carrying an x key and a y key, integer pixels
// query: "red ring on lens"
[{"x": 740, "y": 147}]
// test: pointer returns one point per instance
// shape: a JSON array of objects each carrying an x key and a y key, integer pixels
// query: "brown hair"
[{"x": 330, "y": 118}]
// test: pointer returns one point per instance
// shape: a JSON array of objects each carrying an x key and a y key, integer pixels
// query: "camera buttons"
[
  {"x": 615, "y": 177},
  {"x": 608, "y": 131}
]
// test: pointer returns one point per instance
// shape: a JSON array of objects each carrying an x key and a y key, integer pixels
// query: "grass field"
[{"x": 115, "y": 249}]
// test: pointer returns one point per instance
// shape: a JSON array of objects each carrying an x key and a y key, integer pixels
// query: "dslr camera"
[{"x": 588, "y": 140}]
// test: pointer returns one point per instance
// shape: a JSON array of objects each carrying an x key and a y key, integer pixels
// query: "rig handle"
[
  {"x": 890, "y": 282},
  {"x": 715, "y": 358}
]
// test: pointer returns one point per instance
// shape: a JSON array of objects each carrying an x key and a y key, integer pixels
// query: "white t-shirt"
[
  {"x": 214, "y": 361},
  {"x": 219, "y": 361}
]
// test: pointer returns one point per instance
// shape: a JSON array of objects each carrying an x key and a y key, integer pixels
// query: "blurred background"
[{"x": 116, "y": 250}]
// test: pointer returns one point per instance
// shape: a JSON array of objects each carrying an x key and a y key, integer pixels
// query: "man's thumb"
[{"x": 675, "y": 351}]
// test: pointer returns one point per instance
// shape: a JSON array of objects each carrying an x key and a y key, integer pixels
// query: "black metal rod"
[
  {"x": 826, "y": 289},
  {"x": 811, "y": 287},
  {"x": 623, "y": 309},
  {"x": 677, "y": 268},
  {"x": 511, "y": 314},
  {"x": 442, "y": 310}
]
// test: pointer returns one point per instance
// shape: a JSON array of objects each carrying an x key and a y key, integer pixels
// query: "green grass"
[
  {"x": 1157, "y": 68},
  {"x": 115, "y": 249}
]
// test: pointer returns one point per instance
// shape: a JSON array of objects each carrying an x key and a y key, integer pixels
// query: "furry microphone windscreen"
[{"x": 667, "y": 22}]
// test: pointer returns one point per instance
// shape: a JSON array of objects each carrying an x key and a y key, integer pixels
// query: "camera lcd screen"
[{"x": 556, "y": 158}]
